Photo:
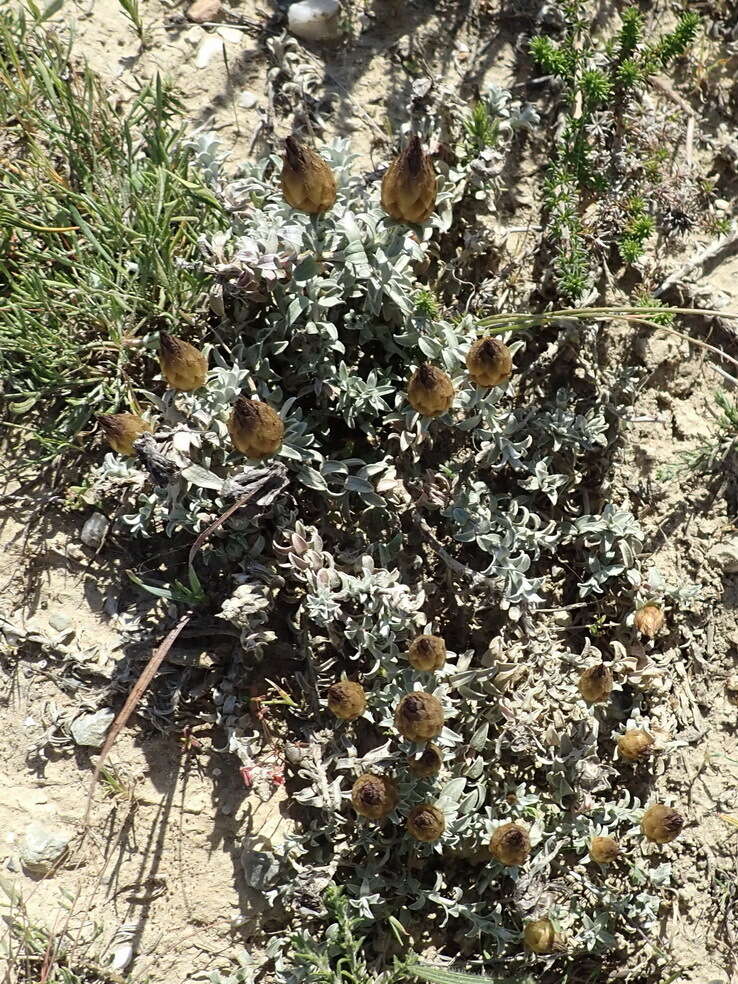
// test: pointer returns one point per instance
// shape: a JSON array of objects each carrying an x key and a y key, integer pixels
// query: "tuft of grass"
[{"x": 100, "y": 214}]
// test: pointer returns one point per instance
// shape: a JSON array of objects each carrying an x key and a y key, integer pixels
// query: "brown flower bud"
[
  {"x": 510, "y": 844},
  {"x": 489, "y": 362},
  {"x": 122, "y": 429},
  {"x": 427, "y": 652},
  {"x": 428, "y": 764},
  {"x": 635, "y": 744},
  {"x": 604, "y": 850},
  {"x": 649, "y": 620},
  {"x": 409, "y": 185},
  {"x": 539, "y": 936},
  {"x": 182, "y": 365},
  {"x": 419, "y": 716},
  {"x": 307, "y": 181},
  {"x": 374, "y": 797},
  {"x": 347, "y": 700},
  {"x": 425, "y": 823},
  {"x": 430, "y": 391},
  {"x": 595, "y": 684},
  {"x": 731, "y": 689},
  {"x": 255, "y": 428},
  {"x": 661, "y": 824}
]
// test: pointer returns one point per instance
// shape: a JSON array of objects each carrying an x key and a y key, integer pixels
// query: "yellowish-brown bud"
[
  {"x": 635, "y": 745},
  {"x": 539, "y": 936},
  {"x": 122, "y": 429},
  {"x": 307, "y": 182},
  {"x": 489, "y": 362},
  {"x": 427, "y": 653},
  {"x": 649, "y": 620},
  {"x": 604, "y": 850},
  {"x": 347, "y": 700},
  {"x": 256, "y": 429},
  {"x": 374, "y": 797},
  {"x": 661, "y": 824},
  {"x": 426, "y": 823},
  {"x": 430, "y": 391},
  {"x": 595, "y": 684},
  {"x": 510, "y": 844},
  {"x": 183, "y": 366},
  {"x": 409, "y": 185},
  {"x": 428, "y": 764},
  {"x": 419, "y": 716}
]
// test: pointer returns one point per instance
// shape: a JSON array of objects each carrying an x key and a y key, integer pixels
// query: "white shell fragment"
[
  {"x": 314, "y": 20},
  {"x": 90, "y": 729}
]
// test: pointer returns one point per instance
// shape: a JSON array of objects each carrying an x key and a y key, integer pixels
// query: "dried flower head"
[
  {"x": 510, "y": 844},
  {"x": 661, "y": 824},
  {"x": 539, "y": 936},
  {"x": 122, "y": 429},
  {"x": 595, "y": 683},
  {"x": 425, "y": 823},
  {"x": 374, "y": 796},
  {"x": 256, "y": 429},
  {"x": 649, "y": 620},
  {"x": 635, "y": 744},
  {"x": 427, "y": 652},
  {"x": 428, "y": 763},
  {"x": 731, "y": 689},
  {"x": 183, "y": 366},
  {"x": 604, "y": 850},
  {"x": 347, "y": 700},
  {"x": 430, "y": 391},
  {"x": 307, "y": 181},
  {"x": 489, "y": 361},
  {"x": 419, "y": 716},
  {"x": 409, "y": 185}
]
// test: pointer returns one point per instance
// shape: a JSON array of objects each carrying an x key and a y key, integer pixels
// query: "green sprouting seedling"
[
  {"x": 480, "y": 129},
  {"x": 133, "y": 12},
  {"x": 599, "y": 79}
]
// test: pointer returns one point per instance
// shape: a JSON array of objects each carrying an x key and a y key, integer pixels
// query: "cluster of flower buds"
[{"x": 431, "y": 392}]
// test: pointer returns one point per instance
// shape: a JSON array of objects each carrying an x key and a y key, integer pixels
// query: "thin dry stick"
[{"x": 137, "y": 692}]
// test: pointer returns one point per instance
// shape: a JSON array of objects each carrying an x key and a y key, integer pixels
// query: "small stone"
[
  {"x": 314, "y": 20},
  {"x": 725, "y": 556},
  {"x": 247, "y": 99},
  {"x": 60, "y": 623},
  {"x": 94, "y": 531},
  {"x": 205, "y": 11},
  {"x": 90, "y": 729},
  {"x": 43, "y": 846}
]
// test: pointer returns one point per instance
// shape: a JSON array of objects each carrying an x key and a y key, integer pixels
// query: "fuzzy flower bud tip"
[
  {"x": 604, "y": 850},
  {"x": 427, "y": 653},
  {"x": 255, "y": 428},
  {"x": 489, "y": 362},
  {"x": 409, "y": 185},
  {"x": 635, "y": 745},
  {"x": 426, "y": 823},
  {"x": 649, "y": 621},
  {"x": 428, "y": 764},
  {"x": 182, "y": 365},
  {"x": 539, "y": 936},
  {"x": 595, "y": 684},
  {"x": 430, "y": 391},
  {"x": 307, "y": 182},
  {"x": 419, "y": 716},
  {"x": 661, "y": 824},
  {"x": 122, "y": 429},
  {"x": 510, "y": 844},
  {"x": 374, "y": 797},
  {"x": 347, "y": 700}
]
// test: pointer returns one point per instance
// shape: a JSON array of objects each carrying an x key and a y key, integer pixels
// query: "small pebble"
[
  {"x": 43, "y": 846},
  {"x": 205, "y": 11},
  {"x": 314, "y": 20},
  {"x": 90, "y": 729},
  {"x": 94, "y": 531}
]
